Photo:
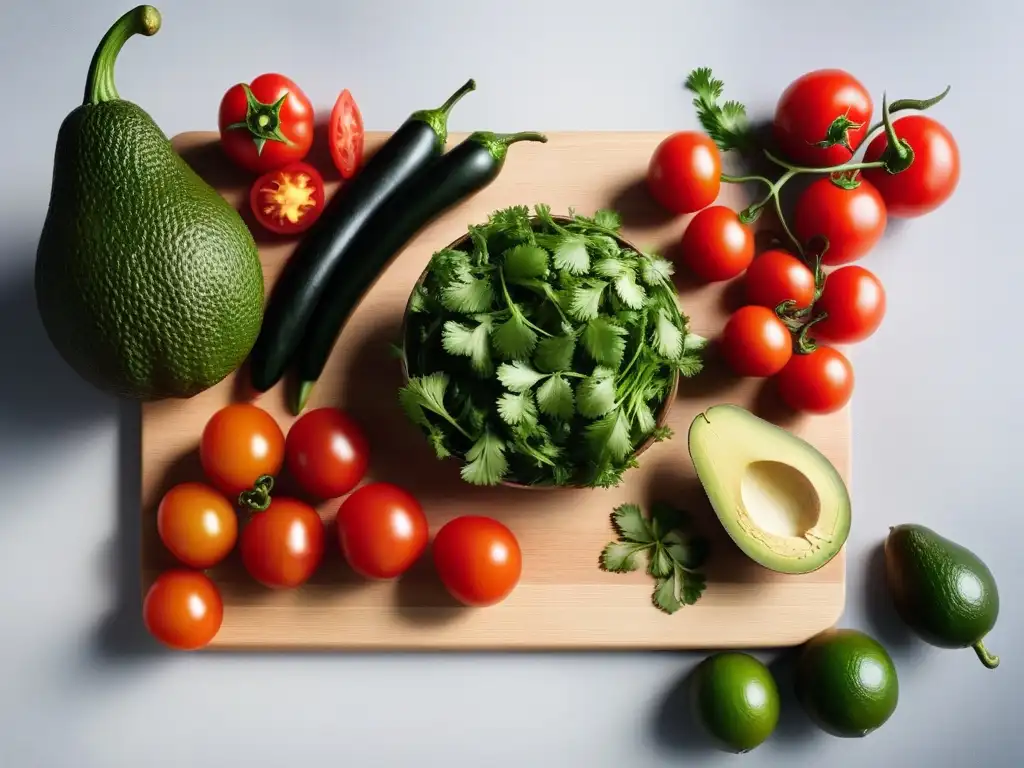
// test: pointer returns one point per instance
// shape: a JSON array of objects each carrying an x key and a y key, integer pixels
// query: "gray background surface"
[{"x": 937, "y": 410}]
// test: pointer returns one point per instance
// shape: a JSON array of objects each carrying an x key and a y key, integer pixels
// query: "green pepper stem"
[
  {"x": 987, "y": 658},
  {"x": 437, "y": 118},
  {"x": 99, "y": 84}
]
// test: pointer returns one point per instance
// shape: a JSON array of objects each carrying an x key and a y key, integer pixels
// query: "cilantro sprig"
[
  {"x": 542, "y": 350},
  {"x": 674, "y": 557}
]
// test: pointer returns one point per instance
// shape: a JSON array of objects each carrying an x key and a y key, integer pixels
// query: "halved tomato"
[
  {"x": 345, "y": 133},
  {"x": 288, "y": 200}
]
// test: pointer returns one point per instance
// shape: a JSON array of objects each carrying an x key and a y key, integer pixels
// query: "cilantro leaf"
[
  {"x": 473, "y": 343},
  {"x": 655, "y": 270},
  {"x": 555, "y": 398},
  {"x": 668, "y": 338},
  {"x": 609, "y": 435},
  {"x": 519, "y": 376},
  {"x": 426, "y": 393},
  {"x": 727, "y": 123},
  {"x": 468, "y": 295},
  {"x": 555, "y": 353},
  {"x": 609, "y": 267},
  {"x": 631, "y": 293},
  {"x": 621, "y": 556},
  {"x": 629, "y": 522},
  {"x": 605, "y": 340},
  {"x": 486, "y": 463},
  {"x": 517, "y": 408},
  {"x": 514, "y": 338},
  {"x": 524, "y": 262},
  {"x": 595, "y": 395},
  {"x": 608, "y": 219},
  {"x": 571, "y": 254},
  {"x": 586, "y": 300}
]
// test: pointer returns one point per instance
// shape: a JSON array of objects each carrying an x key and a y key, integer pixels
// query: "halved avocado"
[{"x": 782, "y": 502}]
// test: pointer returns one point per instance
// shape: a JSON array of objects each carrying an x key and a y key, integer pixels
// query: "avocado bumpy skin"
[{"x": 148, "y": 282}]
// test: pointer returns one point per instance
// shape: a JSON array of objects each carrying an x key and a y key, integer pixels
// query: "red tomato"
[
  {"x": 755, "y": 342},
  {"x": 776, "y": 276},
  {"x": 346, "y": 135},
  {"x": 382, "y": 530},
  {"x": 931, "y": 178},
  {"x": 326, "y": 452},
  {"x": 827, "y": 106},
  {"x": 240, "y": 443},
  {"x": 282, "y": 546},
  {"x": 853, "y": 220},
  {"x": 266, "y": 124},
  {"x": 717, "y": 245},
  {"x": 854, "y": 301},
  {"x": 183, "y": 609},
  {"x": 818, "y": 382},
  {"x": 685, "y": 172},
  {"x": 197, "y": 524},
  {"x": 288, "y": 200},
  {"x": 478, "y": 560}
]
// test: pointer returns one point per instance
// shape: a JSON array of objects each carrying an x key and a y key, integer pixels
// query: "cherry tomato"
[
  {"x": 827, "y": 107},
  {"x": 478, "y": 559},
  {"x": 931, "y": 178},
  {"x": 266, "y": 124},
  {"x": 240, "y": 443},
  {"x": 776, "y": 276},
  {"x": 684, "y": 174},
  {"x": 382, "y": 530},
  {"x": 326, "y": 452},
  {"x": 283, "y": 545},
  {"x": 197, "y": 524},
  {"x": 717, "y": 245},
  {"x": 183, "y": 609},
  {"x": 818, "y": 382},
  {"x": 853, "y": 220},
  {"x": 288, "y": 200},
  {"x": 346, "y": 135},
  {"x": 854, "y": 300},
  {"x": 755, "y": 342}
]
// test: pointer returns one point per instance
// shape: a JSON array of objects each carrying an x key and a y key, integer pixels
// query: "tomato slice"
[
  {"x": 288, "y": 200},
  {"x": 346, "y": 135}
]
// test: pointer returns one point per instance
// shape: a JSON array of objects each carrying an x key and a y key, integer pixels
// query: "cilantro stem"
[{"x": 515, "y": 309}]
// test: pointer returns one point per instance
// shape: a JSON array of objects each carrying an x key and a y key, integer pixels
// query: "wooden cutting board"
[{"x": 563, "y": 601}]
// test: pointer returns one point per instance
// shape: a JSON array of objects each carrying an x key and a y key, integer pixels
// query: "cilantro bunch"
[{"x": 542, "y": 352}]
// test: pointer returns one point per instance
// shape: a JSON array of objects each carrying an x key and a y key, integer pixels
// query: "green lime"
[
  {"x": 846, "y": 682},
  {"x": 736, "y": 700}
]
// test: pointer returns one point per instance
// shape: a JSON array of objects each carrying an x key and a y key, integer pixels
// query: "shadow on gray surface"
[
  {"x": 41, "y": 397},
  {"x": 674, "y": 724},
  {"x": 794, "y": 727},
  {"x": 880, "y": 616}
]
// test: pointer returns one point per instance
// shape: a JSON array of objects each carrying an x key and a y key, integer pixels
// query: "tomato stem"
[
  {"x": 898, "y": 155},
  {"x": 99, "y": 83},
  {"x": 257, "y": 498},
  {"x": 902, "y": 104},
  {"x": 804, "y": 344}
]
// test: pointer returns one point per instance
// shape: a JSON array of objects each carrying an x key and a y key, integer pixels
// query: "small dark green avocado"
[{"x": 941, "y": 589}]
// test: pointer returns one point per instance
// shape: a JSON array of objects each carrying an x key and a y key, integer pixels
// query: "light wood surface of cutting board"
[{"x": 563, "y": 601}]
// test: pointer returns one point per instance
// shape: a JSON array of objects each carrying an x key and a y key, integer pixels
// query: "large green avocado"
[
  {"x": 148, "y": 282},
  {"x": 778, "y": 497},
  {"x": 942, "y": 590}
]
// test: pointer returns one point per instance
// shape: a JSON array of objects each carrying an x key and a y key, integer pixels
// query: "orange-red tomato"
[
  {"x": 777, "y": 276},
  {"x": 852, "y": 220},
  {"x": 326, "y": 452},
  {"x": 818, "y": 382},
  {"x": 240, "y": 443},
  {"x": 478, "y": 559},
  {"x": 853, "y": 301},
  {"x": 382, "y": 530},
  {"x": 283, "y": 545},
  {"x": 197, "y": 524},
  {"x": 685, "y": 172},
  {"x": 755, "y": 342},
  {"x": 183, "y": 609},
  {"x": 716, "y": 245}
]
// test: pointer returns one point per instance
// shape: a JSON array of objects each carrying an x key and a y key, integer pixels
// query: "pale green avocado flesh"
[{"x": 779, "y": 498}]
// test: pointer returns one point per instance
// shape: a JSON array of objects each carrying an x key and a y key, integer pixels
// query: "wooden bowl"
[{"x": 661, "y": 415}]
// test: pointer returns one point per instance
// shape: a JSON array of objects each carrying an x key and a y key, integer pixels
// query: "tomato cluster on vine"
[{"x": 804, "y": 294}]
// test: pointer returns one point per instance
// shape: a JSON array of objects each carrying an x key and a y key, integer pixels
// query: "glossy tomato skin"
[
  {"x": 755, "y": 342},
  {"x": 294, "y": 119},
  {"x": 478, "y": 560},
  {"x": 326, "y": 452},
  {"x": 685, "y": 172},
  {"x": 808, "y": 107},
  {"x": 716, "y": 245},
  {"x": 346, "y": 136},
  {"x": 776, "y": 276},
  {"x": 183, "y": 609},
  {"x": 818, "y": 382},
  {"x": 854, "y": 301},
  {"x": 853, "y": 220},
  {"x": 930, "y": 180},
  {"x": 282, "y": 546},
  {"x": 382, "y": 530},
  {"x": 197, "y": 524},
  {"x": 240, "y": 443},
  {"x": 286, "y": 201}
]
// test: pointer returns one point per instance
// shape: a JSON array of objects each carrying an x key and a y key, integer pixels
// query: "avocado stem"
[
  {"x": 437, "y": 118},
  {"x": 99, "y": 84},
  {"x": 987, "y": 658}
]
